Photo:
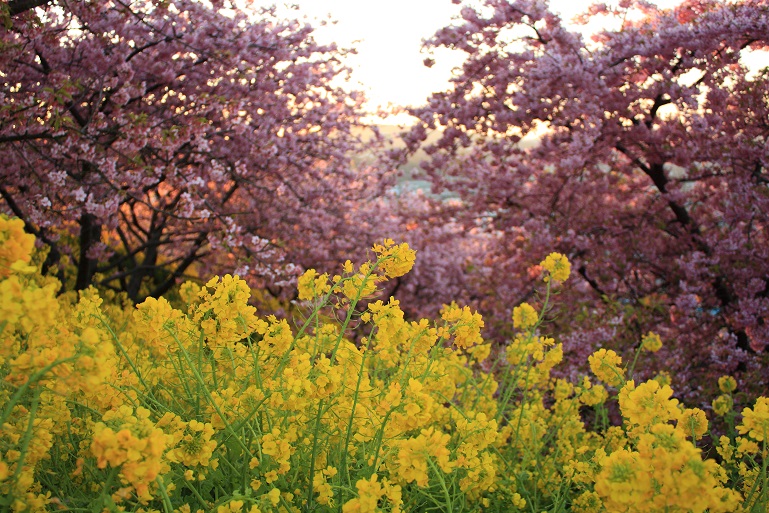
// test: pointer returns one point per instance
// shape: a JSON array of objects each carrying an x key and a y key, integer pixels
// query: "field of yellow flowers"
[{"x": 208, "y": 407}]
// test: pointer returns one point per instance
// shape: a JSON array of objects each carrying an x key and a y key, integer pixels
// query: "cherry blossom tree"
[
  {"x": 650, "y": 170},
  {"x": 142, "y": 139}
]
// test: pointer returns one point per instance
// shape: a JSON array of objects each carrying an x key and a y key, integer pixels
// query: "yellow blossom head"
[
  {"x": 562, "y": 389},
  {"x": 648, "y": 404},
  {"x": 557, "y": 265},
  {"x": 525, "y": 316},
  {"x": 464, "y": 324},
  {"x": 727, "y": 384},
  {"x": 231, "y": 507},
  {"x": 755, "y": 421},
  {"x": 394, "y": 260},
  {"x": 274, "y": 496},
  {"x": 605, "y": 364},
  {"x": 722, "y": 405},
  {"x": 15, "y": 244},
  {"x": 651, "y": 342},
  {"x": 594, "y": 395},
  {"x": 693, "y": 422},
  {"x": 312, "y": 285}
]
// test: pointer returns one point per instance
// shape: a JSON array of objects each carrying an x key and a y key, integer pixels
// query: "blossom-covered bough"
[
  {"x": 204, "y": 405},
  {"x": 145, "y": 141}
]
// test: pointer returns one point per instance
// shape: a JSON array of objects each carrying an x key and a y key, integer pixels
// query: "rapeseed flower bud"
[{"x": 558, "y": 266}]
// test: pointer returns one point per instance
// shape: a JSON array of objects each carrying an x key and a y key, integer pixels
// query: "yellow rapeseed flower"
[
  {"x": 605, "y": 364},
  {"x": 727, "y": 384},
  {"x": 369, "y": 493},
  {"x": 587, "y": 502},
  {"x": 648, "y": 404},
  {"x": 594, "y": 395},
  {"x": 693, "y": 422},
  {"x": 722, "y": 404},
  {"x": 312, "y": 285},
  {"x": 394, "y": 260},
  {"x": 651, "y": 342},
  {"x": 558, "y": 266},
  {"x": 466, "y": 327},
  {"x": 274, "y": 496},
  {"x": 15, "y": 244},
  {"x": 524, "y": 316},
  {"x": 755, "y": 421},
  {"x": 231, "y": 507}
]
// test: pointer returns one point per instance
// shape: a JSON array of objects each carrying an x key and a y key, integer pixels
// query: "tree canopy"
[
  {"x": 140, "y": 137},
  {"x": 650, "y": 170}
]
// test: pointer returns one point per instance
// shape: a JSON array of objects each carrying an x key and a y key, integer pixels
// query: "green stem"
[
  {"x": 167, "y": 506},
  {"x": 27, "y": 436}
]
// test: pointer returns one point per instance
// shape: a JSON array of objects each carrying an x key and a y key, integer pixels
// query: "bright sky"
[{"x": 388, "y": 37}]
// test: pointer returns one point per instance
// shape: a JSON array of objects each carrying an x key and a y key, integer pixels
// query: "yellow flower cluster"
[
  {"x": 312, "y": 285},
  {"x": 370, "y": 492},
  {"x": 524, "y": 316},
  {"x": 605, "y": 364},
  {"x": 651, "y": 342},
  {"x": 15, "y": 245},
  {"x": 135, "y": 446},
  {"x": 394, "y": 260},
  {"x": 149, "y": 408},
  {"x": 463, "y": 325},
  {"x": 648, "y": 404},
  {"x": 661, "y": 469},
  {"x": 727, "y": 384},
  {"x": 193, "y": 441},
  {"x": 755, "y": 422},
  {"x": 558, "y": 266}
]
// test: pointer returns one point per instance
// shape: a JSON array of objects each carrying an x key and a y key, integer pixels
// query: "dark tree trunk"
[
  {"x": 19, "y": 6},
  {"x": 90, "y": 234}
]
